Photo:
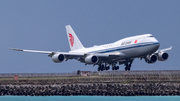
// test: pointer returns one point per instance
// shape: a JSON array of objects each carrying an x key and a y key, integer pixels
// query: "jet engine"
[
  {"x": 162, "y": 56},
  {"x": 58, "y": 58},
  {"x": 91, "y": 59},
  {"x": 151, "y": 58}
]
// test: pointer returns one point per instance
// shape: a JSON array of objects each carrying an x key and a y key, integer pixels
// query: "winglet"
[
  {"x": 170, "y": 47},
  {"x": 16, "y": 49}
]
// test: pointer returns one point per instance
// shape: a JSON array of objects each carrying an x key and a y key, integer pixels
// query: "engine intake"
[
  {"x": 91, "y": 59},
  {"x": 151, "y": 58},
  {"x": 162, "y": 56},
  {"x": 58, "y": 58}
]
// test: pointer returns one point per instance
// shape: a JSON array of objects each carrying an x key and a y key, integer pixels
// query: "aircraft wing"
[
  {"x": 164, "y": 50},
  {"x": 47, "y": 52},
  {"x": 70, "y": 55}
]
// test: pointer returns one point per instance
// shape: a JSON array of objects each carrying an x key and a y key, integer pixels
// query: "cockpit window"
[{"x": 150, "y": 36}]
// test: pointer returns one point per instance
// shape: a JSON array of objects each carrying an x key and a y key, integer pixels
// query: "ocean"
[{"x": 89, "y": 98}]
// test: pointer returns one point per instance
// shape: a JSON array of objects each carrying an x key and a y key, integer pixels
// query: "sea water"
[{"x": 89, "y": 98}]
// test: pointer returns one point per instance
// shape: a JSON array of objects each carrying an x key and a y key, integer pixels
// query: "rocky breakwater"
[{"x": 90, "y": 89}]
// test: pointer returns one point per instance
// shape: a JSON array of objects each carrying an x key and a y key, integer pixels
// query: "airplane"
[{"x": 123, "y": 51}]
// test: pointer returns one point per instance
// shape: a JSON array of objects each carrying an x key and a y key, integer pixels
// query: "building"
[{"x": 84, "y": 73}]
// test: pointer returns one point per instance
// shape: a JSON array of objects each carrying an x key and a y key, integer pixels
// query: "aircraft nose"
[{"x": 157, "y": 45}]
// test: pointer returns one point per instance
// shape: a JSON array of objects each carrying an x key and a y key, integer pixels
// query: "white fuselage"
[{"x": 131, "y": 47}]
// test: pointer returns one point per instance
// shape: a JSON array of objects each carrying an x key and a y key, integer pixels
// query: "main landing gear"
[
  {"x": 103, "y": 67},
  {"x": 115, "y": 67},
  {"x": 128, "y": 65}
]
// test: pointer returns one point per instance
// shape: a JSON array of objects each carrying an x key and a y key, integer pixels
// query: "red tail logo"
[{"x": 71, "y": 40}]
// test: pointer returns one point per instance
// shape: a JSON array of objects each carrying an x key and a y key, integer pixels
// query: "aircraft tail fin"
[{"x": 73, "y": 40}]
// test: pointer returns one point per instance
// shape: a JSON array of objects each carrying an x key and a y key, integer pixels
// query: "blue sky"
[{"x": 40, "y": 25}]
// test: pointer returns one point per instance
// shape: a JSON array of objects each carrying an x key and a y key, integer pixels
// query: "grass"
[{"x": 76, "y": 79}]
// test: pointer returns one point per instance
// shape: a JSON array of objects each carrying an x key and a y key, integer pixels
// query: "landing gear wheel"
[
  {"x": 107, "y": 68},
  {"x": 117, "y": 67},
  {"x": 130, "y": 65},
  {"x": 113, "y": 68},
  {"x": 126, "y": 68},
  {"x": 98, "y": 69},
  {"x": 129, "y": 68},
  {"x": 102, "y": 67}
]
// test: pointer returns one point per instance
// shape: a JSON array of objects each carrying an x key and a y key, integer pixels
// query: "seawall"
[{"x": 100, "y": 89}]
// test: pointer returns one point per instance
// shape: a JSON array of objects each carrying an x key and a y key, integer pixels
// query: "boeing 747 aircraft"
[{"x": 123, "y": 51}]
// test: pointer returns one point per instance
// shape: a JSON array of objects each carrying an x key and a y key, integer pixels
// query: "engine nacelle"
[
  {"x": 151, "y": 58},
  {"x": 91, "y": 59},
  {"x": 58, "y": 58},
  {"x": 162, "y": 56}
]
